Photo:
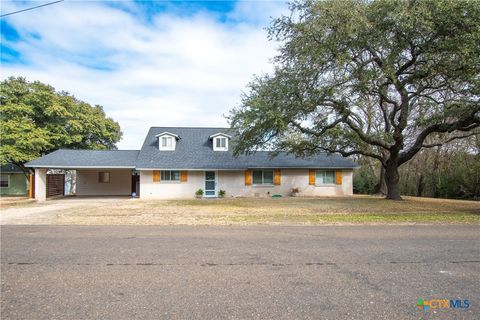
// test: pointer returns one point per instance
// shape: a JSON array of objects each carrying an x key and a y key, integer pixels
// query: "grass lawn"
[{"x": 347, "y": 210}]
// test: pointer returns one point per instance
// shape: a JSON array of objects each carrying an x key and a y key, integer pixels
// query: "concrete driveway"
[
  {"x": 48, "y": 211},
  {"x": 263, "y": 272}
]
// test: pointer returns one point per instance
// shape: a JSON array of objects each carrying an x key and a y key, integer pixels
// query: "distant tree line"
[{"x": 448, "y": 171}]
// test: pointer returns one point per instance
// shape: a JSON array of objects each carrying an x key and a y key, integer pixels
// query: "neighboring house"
[
  {"x": 13, "y": 181},
  {"x": 176, "y": 162}
]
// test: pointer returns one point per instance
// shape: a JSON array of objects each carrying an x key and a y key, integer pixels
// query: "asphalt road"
[{"x": 265, "y": 272}]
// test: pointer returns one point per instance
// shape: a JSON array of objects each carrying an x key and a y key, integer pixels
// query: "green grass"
[
  {"x": 357, "y": 209},
  {"x": 287, "y": 210},
  {"x": 357, "y": 218}
]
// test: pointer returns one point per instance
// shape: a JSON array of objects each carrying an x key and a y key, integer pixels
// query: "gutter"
[{"x": 79, "y": 167}]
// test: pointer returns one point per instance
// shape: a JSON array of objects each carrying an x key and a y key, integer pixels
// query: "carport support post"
[{"x": 40, "y": 184}]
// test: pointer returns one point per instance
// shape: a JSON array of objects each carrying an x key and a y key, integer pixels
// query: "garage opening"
[{"x": 104, "y": 182}]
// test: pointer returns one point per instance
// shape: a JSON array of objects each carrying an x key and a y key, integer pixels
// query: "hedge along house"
[
  {"x": 13, "y": 181},
  {"x": 175, "y": 162}
]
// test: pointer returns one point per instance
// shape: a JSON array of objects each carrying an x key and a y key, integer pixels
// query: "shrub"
[{"x": 363, "y": 182}]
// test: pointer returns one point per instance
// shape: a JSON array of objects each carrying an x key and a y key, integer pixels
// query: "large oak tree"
[
  {"x": 35, "y": 119},
  {"x": 382, "y": 79}
]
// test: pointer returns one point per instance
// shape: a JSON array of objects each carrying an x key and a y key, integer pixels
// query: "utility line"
[{"x": 43, "y": 5}]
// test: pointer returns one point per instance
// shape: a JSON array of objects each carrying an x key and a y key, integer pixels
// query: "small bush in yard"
[{"x": 199, "y": 193}]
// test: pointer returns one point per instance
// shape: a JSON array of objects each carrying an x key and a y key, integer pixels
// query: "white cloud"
[{"x": 171, "y": 71}]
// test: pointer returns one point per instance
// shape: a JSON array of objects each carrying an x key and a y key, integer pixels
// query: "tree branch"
[
  {"x": 316, "y": 133},
  {"x": 438, "y": 144},
  {"x": 364, "y": 137},
  {"x": 467, "y": 123},
  {"x": 353, "y": 152}
]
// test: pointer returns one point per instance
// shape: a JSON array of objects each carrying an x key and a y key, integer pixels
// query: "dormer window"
[
  {"x": 220, "y": 141},
  {"x": 167, "y": 141}
]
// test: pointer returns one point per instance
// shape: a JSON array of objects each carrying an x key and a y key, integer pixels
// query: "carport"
[{"x": 98, "y": 172}]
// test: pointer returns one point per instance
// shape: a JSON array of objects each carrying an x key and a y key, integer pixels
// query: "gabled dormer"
[
  {"x": 220, "y": 141},
  {"x": 167, "y": 141}
]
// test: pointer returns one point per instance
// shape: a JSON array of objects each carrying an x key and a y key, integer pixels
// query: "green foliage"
[
  {"x": 35, "y": 119},
  {"x": 448, "y": 172},
  {"x": 222, "y": 193},
  {"x": 199, "y": 192},
  {"x": 364, "y": 181},
  {"x": 462, "y": 180},
  {"x": 372, "y": 78}
]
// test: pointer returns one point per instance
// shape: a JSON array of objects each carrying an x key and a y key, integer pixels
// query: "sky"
[{"x": 148, "y": 63}]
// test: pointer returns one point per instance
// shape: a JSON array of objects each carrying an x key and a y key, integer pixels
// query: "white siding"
[
  {"x": 120, "y": 182},
  {"x": 40, "y": 184},
  {"x": 233, "y": 182},
  {"x": 170, "y": 189}
]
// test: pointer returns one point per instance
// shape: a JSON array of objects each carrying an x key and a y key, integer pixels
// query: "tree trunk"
[
  {"x": 436, "y": 174},
  {"x": 26, "y": 171},
  {"x": 381, "y": 186},
  {"x": 420, "y": 186},
  {"x": 392, "y": 179}
]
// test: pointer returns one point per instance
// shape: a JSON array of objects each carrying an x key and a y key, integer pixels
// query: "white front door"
[{"x": 210, "y": 184}]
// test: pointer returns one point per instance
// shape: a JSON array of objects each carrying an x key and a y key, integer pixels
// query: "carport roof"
[{"x": 73, "y": 159}]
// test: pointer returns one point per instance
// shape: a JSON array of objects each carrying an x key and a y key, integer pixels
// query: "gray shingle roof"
[
  {"x": 86, "y": 158},
  {"x": 194, "y": 151}
]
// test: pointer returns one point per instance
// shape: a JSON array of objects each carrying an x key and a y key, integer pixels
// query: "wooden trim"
[
  {"x": 183, "y": 176},
  {"x": 277, "y": 177},
  {"x": 311, "y": 177},
  {"x": 248, "y": 177},
  {"x": 156, "y": 175},
  {"x": 338, "y": 176},
  {"x": 31, "y": 187}
]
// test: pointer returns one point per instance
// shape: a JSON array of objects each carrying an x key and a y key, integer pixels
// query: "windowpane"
[
  {"x": 329, "y": 177},
  {"x": 262, "y": 176},
  {"x": 210, "y": 185},
  {"x": 257, "y": 176},
  {"x": 319, "y": 176},
  {"x": 221, "y": 143},
  {"x": 4, "y": 181},
  {"x": 210, "y": 175},
  {"x": 175, "y": 175},
  {"x": 325, "y": 177},
  {"x": 167, "y": 175},
  {"x": 104, "y": 177},
  {"x": 268, "y": 176},
  {"x": 167, "y": 142}
]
